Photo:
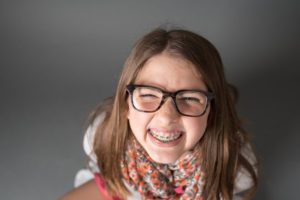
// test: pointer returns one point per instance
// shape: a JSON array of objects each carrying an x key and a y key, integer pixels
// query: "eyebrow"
[
  {"x": 167, "y": 91},
  {"x": 161, "y": 87}
]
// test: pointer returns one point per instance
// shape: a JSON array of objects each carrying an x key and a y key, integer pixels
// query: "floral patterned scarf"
[{"x": 182, "y": 180}]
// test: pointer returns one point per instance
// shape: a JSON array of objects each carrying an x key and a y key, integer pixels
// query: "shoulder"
[
  {"x": 246, "y": 177},
  {"x": 88, "y": 190}
]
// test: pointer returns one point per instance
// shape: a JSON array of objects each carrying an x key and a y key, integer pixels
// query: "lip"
[{"x": 165, "y": 144}]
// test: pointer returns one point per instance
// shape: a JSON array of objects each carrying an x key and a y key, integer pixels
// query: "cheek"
[
  {"x": 199, "y": 126},
  {"x": 195, "y": 129},
  {"x": 133, "y": 121},
  {"x": 138, "y": 121}
]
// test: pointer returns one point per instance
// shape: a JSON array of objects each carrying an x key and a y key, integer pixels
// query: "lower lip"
[{"x": 165, "y": 144}]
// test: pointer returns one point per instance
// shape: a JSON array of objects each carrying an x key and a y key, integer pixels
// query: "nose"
[{"x": 167, "y": 113}]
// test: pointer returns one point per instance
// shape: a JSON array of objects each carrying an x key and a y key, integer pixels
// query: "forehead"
[{"x": 171, "y": 73}]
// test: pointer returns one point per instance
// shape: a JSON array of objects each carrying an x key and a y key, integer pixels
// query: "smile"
[{"x": 165, "y": 137}]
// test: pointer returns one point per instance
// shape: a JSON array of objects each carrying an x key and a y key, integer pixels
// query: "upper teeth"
[{"x": 165, "y": 138}]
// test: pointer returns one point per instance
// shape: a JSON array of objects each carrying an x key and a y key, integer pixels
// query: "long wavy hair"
[{"x": 224, "y": 138}]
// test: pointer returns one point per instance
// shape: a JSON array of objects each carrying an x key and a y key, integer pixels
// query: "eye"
[
  {"x": 191, "y": 99},
  {"x": 148, "y": 96}
]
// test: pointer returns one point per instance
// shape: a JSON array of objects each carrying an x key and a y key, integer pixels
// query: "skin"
[
  {"x": 170, "y": 74},
  {"x": 86, "y": 191}
]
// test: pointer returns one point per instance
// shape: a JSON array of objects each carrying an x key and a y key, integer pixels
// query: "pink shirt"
[{"x": 101, "y": 186}]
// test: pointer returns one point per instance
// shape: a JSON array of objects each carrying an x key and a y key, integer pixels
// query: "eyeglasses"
[{"x": 192, "y": 103}]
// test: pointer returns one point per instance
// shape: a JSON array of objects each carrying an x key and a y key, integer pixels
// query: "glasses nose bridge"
[{"x": 169, "y": 94}]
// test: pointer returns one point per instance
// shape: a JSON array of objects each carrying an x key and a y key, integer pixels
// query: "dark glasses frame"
[{"x": 131, "y": 87}]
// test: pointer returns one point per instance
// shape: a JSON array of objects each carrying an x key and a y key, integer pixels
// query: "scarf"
[{"x": 182, "y": 180}]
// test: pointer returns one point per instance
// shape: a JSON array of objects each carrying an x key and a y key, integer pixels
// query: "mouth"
[{"x": 165, "y": 137}]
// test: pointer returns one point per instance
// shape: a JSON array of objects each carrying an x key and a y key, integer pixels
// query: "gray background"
[{"x": 60, "y": 58}]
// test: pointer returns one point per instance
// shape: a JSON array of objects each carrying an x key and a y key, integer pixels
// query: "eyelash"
[
  {"x": 147, "y": 95},
  {"x": 191, "y": 99}
]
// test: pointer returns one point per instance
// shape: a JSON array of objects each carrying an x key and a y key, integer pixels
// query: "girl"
[{"x": 171, "y": 131}]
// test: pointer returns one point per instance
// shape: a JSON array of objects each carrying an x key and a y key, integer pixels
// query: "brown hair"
[{"x": 224, "y": 137}]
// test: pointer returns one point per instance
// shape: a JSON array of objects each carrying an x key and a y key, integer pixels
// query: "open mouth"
[{"x": 165, "y": 138}]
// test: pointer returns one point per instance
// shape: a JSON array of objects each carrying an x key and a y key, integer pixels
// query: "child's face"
[{"x": 169, "y": 74}]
